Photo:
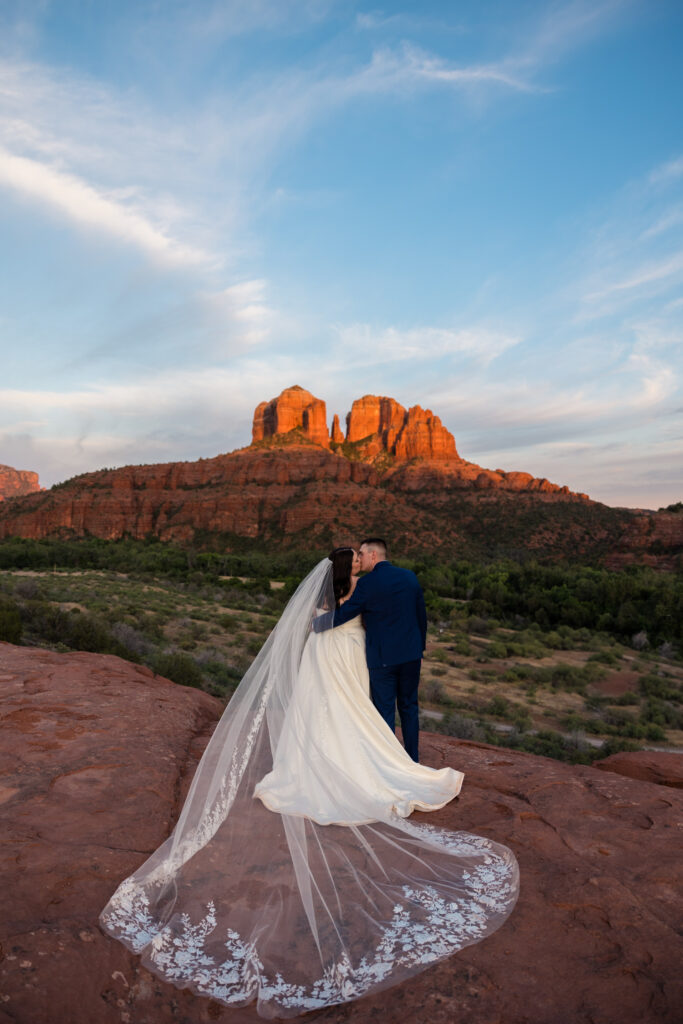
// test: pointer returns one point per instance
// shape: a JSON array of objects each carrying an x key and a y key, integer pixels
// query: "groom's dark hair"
[{"x": 376, "y": 544}]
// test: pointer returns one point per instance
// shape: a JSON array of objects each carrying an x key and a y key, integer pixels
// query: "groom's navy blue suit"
[{"x": 393, "y": 609}]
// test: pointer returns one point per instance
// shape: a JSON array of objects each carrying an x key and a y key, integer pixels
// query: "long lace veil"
[{"x": 242, "y": 904}]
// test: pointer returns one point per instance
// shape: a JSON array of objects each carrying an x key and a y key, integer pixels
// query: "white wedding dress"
[
  {"x": 332, "y": 724},
  {"x": 293, "y": 878}
]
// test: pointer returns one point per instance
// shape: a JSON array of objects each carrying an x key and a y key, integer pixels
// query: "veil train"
[{"x": 243, "y": 904}]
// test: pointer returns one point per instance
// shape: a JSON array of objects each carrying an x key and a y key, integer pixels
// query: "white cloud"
[
  {"x": 83, "y": 204},
  {"x": 647, "y": 274},
  {"x": 245, "y": 305},
  {"x": 667, "y": 172},
  {"x": 372, "y": 345}
]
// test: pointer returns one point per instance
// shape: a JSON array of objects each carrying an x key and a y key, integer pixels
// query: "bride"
[{"x": 292, "y": 877}]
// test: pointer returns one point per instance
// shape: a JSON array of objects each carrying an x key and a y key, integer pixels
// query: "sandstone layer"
[
  {"x": 14, "y": 482},
  {"x": 97, "y": 757}
]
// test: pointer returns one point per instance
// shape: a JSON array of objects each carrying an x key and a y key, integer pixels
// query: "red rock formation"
[
  {"x": 294, "y": 408},
  {"x": 424, "y": 437},
  {"x": 15, "y": 482},
  {"x": 651, "y": 538},
  {"x": 97, "y": 756},
  {"x": 336, "y": 434},
  {"x": 386, "y": 426},
  {"x": 397, "y": 476}
]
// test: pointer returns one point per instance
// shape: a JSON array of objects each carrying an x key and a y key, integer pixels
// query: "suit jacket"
[{"x": 393, "y": 609}]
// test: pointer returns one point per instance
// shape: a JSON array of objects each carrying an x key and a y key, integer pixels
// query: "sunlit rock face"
[
  {"x": 15, "y": 482},
  {"x": 395, "y": 472},
  {"x": 336, "y": 434},
  {"x": 385, "y": 425},
  {"x": 294, "y": 408}
]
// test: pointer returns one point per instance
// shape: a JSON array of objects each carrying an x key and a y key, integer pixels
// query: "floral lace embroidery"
[{"x": 423, "y": 929}]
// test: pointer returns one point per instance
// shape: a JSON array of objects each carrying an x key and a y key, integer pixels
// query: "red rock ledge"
[{"x": 97, "y": 754}]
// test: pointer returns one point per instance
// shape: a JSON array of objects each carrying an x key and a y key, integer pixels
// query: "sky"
[{"x": 475, "y": 206}]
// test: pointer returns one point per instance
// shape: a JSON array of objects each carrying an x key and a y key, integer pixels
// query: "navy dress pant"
[{"x": 393, "y": 686}]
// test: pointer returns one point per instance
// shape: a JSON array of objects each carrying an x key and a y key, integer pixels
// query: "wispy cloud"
[
  {"x": 669, "y": 171},
  {"x": 371, "y": 345},
  {"x": 83, "y": 204},
  {"x": 636, "y": 253}
]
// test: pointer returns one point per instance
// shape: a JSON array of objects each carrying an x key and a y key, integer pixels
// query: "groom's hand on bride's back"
[{"x": 322, "y": 622}]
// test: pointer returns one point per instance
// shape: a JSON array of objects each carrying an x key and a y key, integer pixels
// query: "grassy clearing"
[
  {"x": 572, "y": 693},
  {"x": 204, "y": 636},
  {"x": 567, "y": 691}
]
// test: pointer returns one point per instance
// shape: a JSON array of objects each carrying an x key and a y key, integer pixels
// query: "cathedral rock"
[
  {"x": 294, "y": 409},
  {"x": 375, "y": 424}
]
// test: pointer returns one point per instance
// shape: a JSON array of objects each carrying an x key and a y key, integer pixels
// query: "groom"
[{"x": 393, "y": 609}]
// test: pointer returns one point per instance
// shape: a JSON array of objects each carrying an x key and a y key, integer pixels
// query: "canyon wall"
[{"x": 15, "y": 482}]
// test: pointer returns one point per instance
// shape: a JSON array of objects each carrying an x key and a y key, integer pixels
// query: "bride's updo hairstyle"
[{"x": 342, "y": 560}]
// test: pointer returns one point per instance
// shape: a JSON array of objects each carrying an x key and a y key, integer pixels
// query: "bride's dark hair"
[{"x": 342, "y": 560}]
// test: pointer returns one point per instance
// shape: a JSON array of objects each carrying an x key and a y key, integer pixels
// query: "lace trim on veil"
[{"x": 410, "y": 941}]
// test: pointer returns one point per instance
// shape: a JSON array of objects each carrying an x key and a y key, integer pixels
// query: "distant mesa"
[
  {"x": 309, "y": 479},
  {"x": 16, "y": 482},
  {"x": 399, "y": 441}
]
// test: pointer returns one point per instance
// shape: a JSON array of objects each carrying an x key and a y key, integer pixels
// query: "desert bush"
[
  {"x": 10, "y": 622},
  {"x": 131, "y": 639},
  {"x": 652, "y": 685},
  {"x": 179, "y": 668},
  {"x": 432, "y": 692},
  {"x": 498, "y": 706},
  {"x": 496, "y": 649},
  {"x": 460, "y": 726},
  {"x": 75, "y": 630}
]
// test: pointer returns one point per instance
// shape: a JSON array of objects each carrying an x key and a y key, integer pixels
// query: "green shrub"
[
  {"x": 179, "y": 668},
  {"x": 10, "y": 622}
]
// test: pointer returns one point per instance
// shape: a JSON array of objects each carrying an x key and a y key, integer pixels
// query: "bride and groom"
[
  {"x": 362, "y": 659},
  {"x": 293, "y": 877}
]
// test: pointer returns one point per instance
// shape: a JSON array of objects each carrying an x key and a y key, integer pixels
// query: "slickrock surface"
[
  {"x": 97, "y": 754},
  {"x": 647, "y": 766},
  {"x": 14, "y": 482}
]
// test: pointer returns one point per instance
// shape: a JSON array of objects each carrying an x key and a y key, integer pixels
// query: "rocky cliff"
[
  {"x": 14, "y": 482},
  {"x": 380, "y": 424},
  {"x": 396, "y": 472},
  {"x": 97, "y": 757}
]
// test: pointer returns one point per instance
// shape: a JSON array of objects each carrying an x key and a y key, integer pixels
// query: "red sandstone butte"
[
  {"x": 294, "y": 408},
  {"x": 15, "y": 482},
  {"x": 384, "y": 425},
  {"x": 400, "y": 469},
  {"x": 97, "y": 756}
]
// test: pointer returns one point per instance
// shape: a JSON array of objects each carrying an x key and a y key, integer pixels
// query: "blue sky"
[{"x": 472, "y": 206}]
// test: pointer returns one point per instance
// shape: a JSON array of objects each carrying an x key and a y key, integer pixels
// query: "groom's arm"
[{"x": 354, "y": 606}]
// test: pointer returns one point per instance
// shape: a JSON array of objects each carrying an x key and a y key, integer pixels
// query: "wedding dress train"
[{"x": 330, "y": 894}]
